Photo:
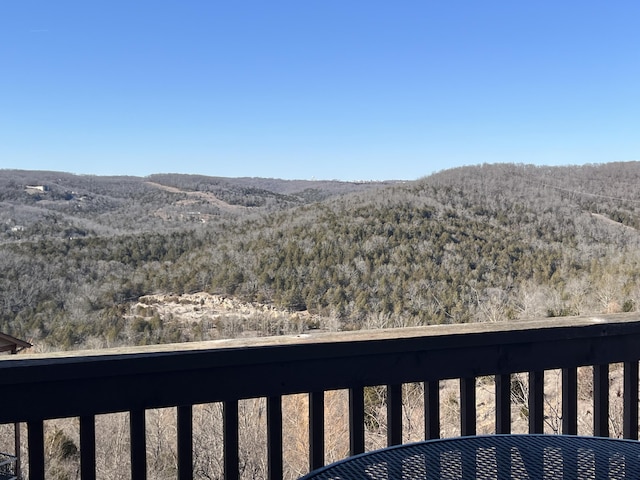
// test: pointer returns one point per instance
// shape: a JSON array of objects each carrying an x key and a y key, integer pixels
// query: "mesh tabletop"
[{"x": 494, "y": 457}]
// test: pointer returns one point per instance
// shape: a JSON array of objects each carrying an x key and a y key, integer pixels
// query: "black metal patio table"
[{"x": 494, "y": 457}]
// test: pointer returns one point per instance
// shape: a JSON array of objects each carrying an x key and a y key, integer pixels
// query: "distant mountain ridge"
[{"x": 81, "y": 205}]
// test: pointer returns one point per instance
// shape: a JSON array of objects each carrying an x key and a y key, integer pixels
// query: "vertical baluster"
[
  {"x": 536, "y": 402},
  {"x": 394, "y": 414},
  {"x": 137, "y": 430},
  {"x": 468, "y": 406},
  {"x": 570, "y": 401},
  {"x": 630, "y": 421},
  {"x": 230, "y": 439},
  {"x": 601, "y": 400},
  {"x": 356, "y": 420},
  {"x": 394, "y": 425},
  {"x": 274, "y": 437},
  {"x": 432, "y": 410},
  {"x": 184, "y": 425},
  {"x": 503, "y": 403},
  {"x": 35, "y": 431},
  {"x": 88, "y": 447},
  {"x": 17, "y": 446},
  {"x": 316, "y": 430}
]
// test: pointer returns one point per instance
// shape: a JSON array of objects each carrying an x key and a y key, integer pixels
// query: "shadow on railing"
[{"x": 135, "y": 380}]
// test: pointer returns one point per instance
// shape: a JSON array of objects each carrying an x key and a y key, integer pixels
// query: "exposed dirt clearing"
[
  {"x": 611, "y": 222},
  {"x": 203, "y": 196}
]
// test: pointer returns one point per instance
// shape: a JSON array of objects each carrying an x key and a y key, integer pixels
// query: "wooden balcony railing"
[{"x": 85, "y": 384}]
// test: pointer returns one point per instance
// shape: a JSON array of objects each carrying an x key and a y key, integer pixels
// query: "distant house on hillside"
[
  {"x": 36, "y": 188},
  {"x": 11, "y": 344}
]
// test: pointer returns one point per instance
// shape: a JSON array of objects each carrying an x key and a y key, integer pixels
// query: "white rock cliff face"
[{"x": 222, "y": 317}]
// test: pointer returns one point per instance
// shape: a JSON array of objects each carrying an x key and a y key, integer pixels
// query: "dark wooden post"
[{"x": 16, "y": 428}]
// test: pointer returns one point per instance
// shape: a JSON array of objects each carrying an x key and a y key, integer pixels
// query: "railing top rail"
[{"x": 439, "y": 334}]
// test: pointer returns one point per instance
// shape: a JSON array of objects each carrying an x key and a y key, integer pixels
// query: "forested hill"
[{"x": 483, "y": 243}]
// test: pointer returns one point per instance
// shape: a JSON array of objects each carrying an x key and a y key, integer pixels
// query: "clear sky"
[{"x": 326, "y": 89}]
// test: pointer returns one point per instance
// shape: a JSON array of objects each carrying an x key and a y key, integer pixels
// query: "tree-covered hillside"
[
  {"x": 38, "y": 205},
  {"x": 483, "y": 243},
  {"x": 468, "y": 244}
]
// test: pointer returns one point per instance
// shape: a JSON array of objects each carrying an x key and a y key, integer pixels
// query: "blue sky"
[{"x": 327, "y": 89}]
